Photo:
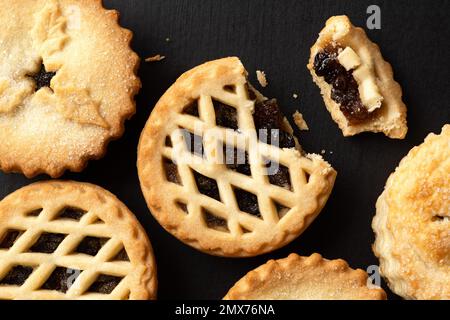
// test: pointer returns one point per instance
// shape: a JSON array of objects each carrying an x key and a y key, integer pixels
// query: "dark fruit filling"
[
  {"x": 171, "y": 170},
  {"x": 9, "y": 239},
  {"x": 280, "y": 177},
  {"x": 207, "y": 186},
  {"x": 344, "y": 88},
  {"x": 247, "y": 202},
  {"x": 17, "y": 276},
  {"x": 47, "y": 242},
  {"x": 91, "y": 245},
  {"x": 71, "y": 213},
  {"x": 61, "y": 279},
  {"x": 237, "y": 160},
  {"x": 226, "y": 116},
  {"x": 269, "y": 124},
  {"x": 214, "y": 222},
  {"x": 105, "y": 284},
  {"x": 43, "y": 78}
]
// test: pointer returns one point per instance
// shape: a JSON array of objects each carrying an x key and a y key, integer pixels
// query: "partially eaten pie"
[
  {"x": 356, "y": 83},
  {"x": 220, "y": 168},
  {"x": 67, "y": 84},
  {"x": 69, "y": 240},
  {"x": 412, "y": 224},
  {"x": 305, "y": 278}
]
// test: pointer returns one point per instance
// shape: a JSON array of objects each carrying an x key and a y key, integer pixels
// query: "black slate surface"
[{"x": 275, "y": 36}]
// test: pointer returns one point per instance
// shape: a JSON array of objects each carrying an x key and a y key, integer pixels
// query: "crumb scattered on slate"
[
  {"x": 261, "y": 76},
  {"x": 300, "y": 121},
  {"x": 295, "y": 96},
  {"x": 155, "y": 58},
  {"x": 323, "y": 151}
]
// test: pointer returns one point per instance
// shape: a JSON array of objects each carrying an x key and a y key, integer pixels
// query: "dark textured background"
[{"x": 275, "y": 36}]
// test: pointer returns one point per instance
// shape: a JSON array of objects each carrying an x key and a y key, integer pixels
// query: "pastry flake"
[
  {"x": 305, "y": 278},
  {"x": 356, "y": 83},
  {"x": 70, "y": 240},
  {"x": 67, "y": 84},
  {"x": 412, "y": 224},
  {"x": 208, "y": 177}
]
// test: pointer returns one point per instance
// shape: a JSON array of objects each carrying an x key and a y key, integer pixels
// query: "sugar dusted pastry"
[
  {"x": 220, "y": 168},
  {"x": 305, "y": 278},
  {"x": 67, "y": 84},
  {"x": 356, "y": 83},
  {"x": 412, "y": 223}
]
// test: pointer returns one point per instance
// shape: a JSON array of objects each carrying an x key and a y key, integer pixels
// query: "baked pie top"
[
  {"x": 357, "y": 84},
  {"x": 412, "y": 223},
  {"x": 67, "y": 82},
  {"x": 69, "y": 240},
  {"x": 204, "y": 166},
  {"x": 305, "y": 278}
]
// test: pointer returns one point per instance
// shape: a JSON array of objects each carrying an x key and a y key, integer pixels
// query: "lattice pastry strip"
[
  {"x": 82, "y": 243},
  {"x": 230, "y": 208}
]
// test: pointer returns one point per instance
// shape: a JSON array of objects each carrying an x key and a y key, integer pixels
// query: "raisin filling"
[
  {"x": 42, "y": 78},
  {"x": 91, "y": 245},
  {"x": 61, "y": 279},
  {"x": 105, "y": 284},
  {"x": 226, "y": 116},
  {"x": 344, "y": 88},
  {"x": 207, "y": 186},
  {"x": 269, "y": 123},
  {"x": 47, "y": 242}
]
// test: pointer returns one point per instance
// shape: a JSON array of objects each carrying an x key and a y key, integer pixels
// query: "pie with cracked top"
[
  {"x": 221, "y": 170},
  {"x": 305, "y": 278},
  {"x": 71, "y": 240},
  {"x": 356, "y": 83},
  {"x": 412, "y": 222},
  {"x": 67, "y": 84}
]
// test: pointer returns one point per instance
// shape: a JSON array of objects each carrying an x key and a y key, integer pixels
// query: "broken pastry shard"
[
  {"x": 241, "y": 204},
  {"x": 356, "y": 83}
]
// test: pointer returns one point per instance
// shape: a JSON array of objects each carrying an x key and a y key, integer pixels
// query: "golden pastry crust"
[
  {"x": 61, "y": 127},
  {"x": 39, "y": 208},
  {"x": 412, "y": 223},
  {"x": 391, "y": 117},
  {"x": 305, "y": 278},
  {"x": 312, "y": 177}
]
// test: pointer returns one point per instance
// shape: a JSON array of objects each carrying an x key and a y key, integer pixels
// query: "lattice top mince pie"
[
  {"x": 69, "y": 240},
  {"x": 357, "y": 84},
  {"x": 412, "y": 224},
  {"x": 67, "y": 82},
  {"x": 221, "y": 170},
  {"x": 305, "y": 278}
]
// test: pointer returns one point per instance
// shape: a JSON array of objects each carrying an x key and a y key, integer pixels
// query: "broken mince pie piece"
[
  {"x": 305, "y": 278},
  {"x": 70, "y": 240},
  {"x": 220, "y": 168},
  {"x": 412, "y": 222},
  {"x": 67, "y": 84},
  {"x": 356, "y": 83}
]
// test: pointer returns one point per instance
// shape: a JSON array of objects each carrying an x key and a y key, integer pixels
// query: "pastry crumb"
[
  {"x": 168, "y": 39},
  {"x": 295, "y": 96},
  {"x": 155, "y": 58},
  {"x": 300, "y": 121},
  {"x": 261, "y": 76},
  {"x": 323, "y": 151}
]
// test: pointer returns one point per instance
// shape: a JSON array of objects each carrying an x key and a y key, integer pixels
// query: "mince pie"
[
  {"x": 221, "y": 170},
  {"x": 67, "y": 84},
  {"x": 357, "y": 84},
  {"x": 412, "y": 224},
  {"x": 305, "y": 278},
  {"x": 70, "y": 240}
]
